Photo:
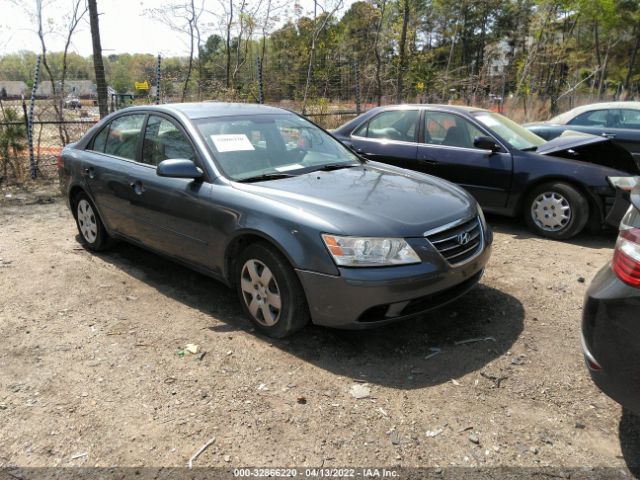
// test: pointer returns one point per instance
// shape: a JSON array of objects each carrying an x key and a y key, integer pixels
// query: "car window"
[
  {"x": 391, "y": 125},
  {"x": 124, "y": 132},
  {"x": 630, "y": 118},
  {"x": 100, "y": 140},
  {"x": 596, "y": 118},
  {"x": 163, "y": 140},
  {"x": 441, "y": 128},
  {"x": 249, "y": 146}
]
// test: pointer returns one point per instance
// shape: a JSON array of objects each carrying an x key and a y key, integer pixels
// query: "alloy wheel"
[
  {"x": 260, "y": 292},
  {"x": 87, "y": 221}
]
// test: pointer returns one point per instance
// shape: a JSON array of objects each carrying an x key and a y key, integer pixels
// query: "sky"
[{"x": 124, "y": 26}]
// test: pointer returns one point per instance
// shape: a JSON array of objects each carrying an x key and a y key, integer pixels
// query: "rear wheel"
[
  {"x": 270, "y": 292},
  {"x": 92, "y": 232},
  {"x": 556, "y": 210}
]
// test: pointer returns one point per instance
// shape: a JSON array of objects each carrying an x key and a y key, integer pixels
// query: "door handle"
[
  {"x": 608, "y": 135},
  {"x": 89, "y": 172},
  {"x": 137, "y": 187},
  {"x": 429, "y": 161}
]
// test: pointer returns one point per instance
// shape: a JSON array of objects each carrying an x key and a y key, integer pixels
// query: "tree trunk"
[
  {"x": 228, "y": 45},
  {"x": 603, "y": 72},
  {"x": 596, "y": 39},
  {"x": 632, "y": 62},
  {"x": 402, "y": 51},
  {"x": 445, "y": 84},
  {"x": 376, "y": 50},
  {"x": 98, "y": 65},
  {"x": 192, "y": 21}
]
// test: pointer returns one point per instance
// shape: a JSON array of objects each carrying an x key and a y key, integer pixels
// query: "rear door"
[
  {"x": 172, "y": 214},
  {"x": 447, "y": 151},
  {"x": 390, "y": 137},
  {"x": 107, "y": 168}
]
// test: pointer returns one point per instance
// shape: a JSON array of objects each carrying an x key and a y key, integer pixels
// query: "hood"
[
  {"x": 569, "y": 139},
  {"x": 369, "y": 200},
  {"x": 590, "y": 149}
]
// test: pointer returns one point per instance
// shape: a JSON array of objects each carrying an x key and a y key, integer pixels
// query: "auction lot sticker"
[{"x": 235, "y": 142}]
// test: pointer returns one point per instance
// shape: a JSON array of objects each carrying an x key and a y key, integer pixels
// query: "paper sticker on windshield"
[
  {"x": 284, "y": 168},
  {"x": 233, "y": 142}
]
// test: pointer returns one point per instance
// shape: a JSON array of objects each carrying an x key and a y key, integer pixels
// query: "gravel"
[{"x": 89, "y": 361}]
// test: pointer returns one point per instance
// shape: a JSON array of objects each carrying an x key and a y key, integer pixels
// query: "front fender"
[{"x": 302, "y": 247}]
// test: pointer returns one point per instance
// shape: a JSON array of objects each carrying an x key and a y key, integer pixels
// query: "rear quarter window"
[{"x": 100, "y": 140}]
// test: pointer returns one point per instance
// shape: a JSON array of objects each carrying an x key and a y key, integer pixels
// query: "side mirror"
[
  {"x": 486, "y": 143},
  {"x": 179, "y": 168}
]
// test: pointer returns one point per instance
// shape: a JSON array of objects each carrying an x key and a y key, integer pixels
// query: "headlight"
[
  {"x": 624, "y": 183},
  {"x": 369, "y": 251}
]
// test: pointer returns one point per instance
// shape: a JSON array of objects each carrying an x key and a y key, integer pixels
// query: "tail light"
[
  {"x": 59, "y": 163},
  {"x": 626, "y": 257}
]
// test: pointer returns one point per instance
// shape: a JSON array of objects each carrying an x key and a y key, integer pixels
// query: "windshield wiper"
[
  {"x": 529, "y": 149},
  {"x": 333, "y": 166},
  {"x": 266, "y": 176}
]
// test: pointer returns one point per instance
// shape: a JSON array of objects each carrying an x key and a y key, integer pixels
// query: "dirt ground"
[{"x": 91, "y": 372}]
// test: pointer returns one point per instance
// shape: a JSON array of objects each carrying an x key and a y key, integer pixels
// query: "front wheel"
[
  {"x": 556, "y": 210},
  {"x": 270, "y": 292}
]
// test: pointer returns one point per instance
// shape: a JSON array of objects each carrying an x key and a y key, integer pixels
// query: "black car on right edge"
[{"x": 611, "y": 317}]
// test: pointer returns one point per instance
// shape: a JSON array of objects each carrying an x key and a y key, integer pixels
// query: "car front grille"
[{"x": 459, "y": 243}]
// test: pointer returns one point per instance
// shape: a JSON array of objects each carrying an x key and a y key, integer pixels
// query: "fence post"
[
  {"x": 356, "y": 68},
  {"x": 260, "y": 80},
  {"x": 36, "y": 78},
  {"x": 158, "y": 78}
]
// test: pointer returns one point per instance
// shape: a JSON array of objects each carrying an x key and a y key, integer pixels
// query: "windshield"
[
  {"x": 512, "y": 133},
  {"x": 270, "y": 146}
]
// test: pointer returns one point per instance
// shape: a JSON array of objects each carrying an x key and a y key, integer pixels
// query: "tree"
[
  {"x": 12, "y": 138},
  {"x": 98, "y": 64},
  {"x": 183, "y": 18}
]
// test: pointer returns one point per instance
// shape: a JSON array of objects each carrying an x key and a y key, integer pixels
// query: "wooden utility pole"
[{"x": 98, "y": 65}]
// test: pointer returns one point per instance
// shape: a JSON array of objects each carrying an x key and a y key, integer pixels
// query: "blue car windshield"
[
  {"x": 255, "y": 146},
  {"x": 515, "y": 135}
]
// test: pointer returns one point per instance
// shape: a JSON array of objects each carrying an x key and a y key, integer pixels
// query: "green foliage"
[
  {"x": 12, "y": 141},
  {"x": 455, "y": 49}
]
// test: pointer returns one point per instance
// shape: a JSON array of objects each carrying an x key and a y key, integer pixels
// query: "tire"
[
  {"x": 269, "y": 291},
  {"x": 556, "y": 210},
  {"x": 93, "y": 235}
]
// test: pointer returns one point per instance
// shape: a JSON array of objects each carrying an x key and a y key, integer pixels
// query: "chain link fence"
[{"x": 329, "y": 93}]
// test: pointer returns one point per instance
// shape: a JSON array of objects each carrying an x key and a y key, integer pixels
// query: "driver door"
[
  {"x": 447, "y": 151},
  {"x": 172, "y": 214}
]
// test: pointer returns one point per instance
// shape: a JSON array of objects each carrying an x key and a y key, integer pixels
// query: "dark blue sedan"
[{"x": 558, "y": 187}]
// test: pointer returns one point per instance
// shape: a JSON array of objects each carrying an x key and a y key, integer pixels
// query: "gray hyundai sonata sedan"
[{"x": 273, "y": 206}]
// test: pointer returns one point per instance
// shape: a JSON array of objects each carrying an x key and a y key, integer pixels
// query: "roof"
[
  {"x": 563, "y": 118},
  {"x": 435, "y": 106},
  {"x": 82, "y": 88},
  {"x": 13, "y": 87},
  {"x": 195, "y": 111}
]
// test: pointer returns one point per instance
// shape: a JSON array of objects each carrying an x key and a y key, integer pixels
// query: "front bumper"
[
  {"x": 367, "y": 297},
  {"x": 611, "y": 336}
]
